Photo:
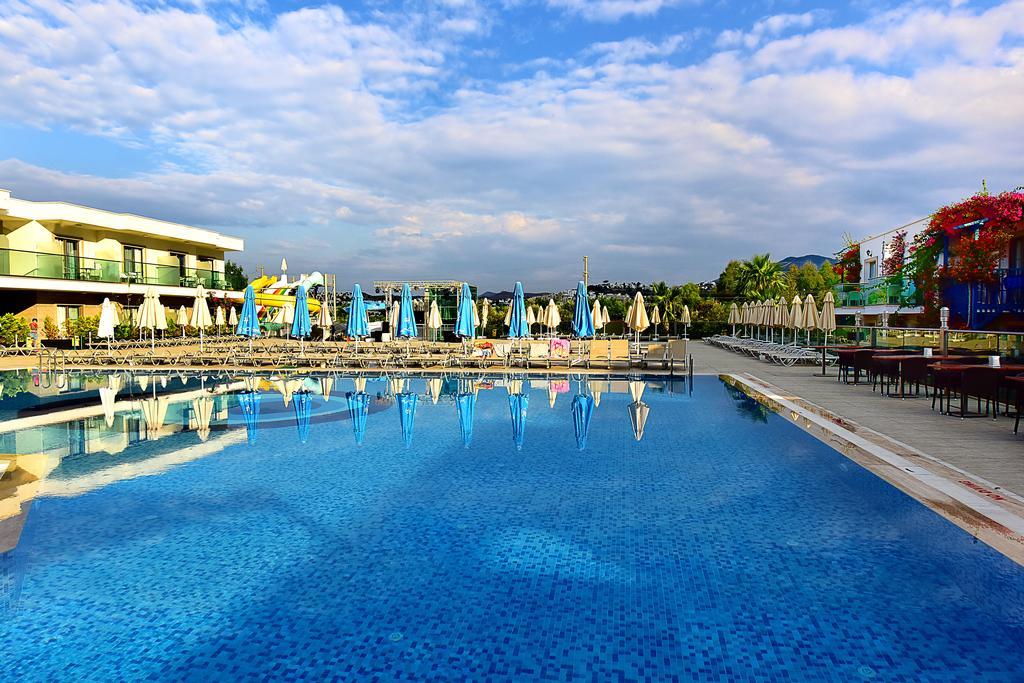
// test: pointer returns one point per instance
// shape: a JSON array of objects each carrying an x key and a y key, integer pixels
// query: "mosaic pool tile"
[{"x": 725, "y": 545}]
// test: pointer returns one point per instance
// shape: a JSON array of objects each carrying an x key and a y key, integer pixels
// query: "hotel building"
[{"x": 60, "y": 260}]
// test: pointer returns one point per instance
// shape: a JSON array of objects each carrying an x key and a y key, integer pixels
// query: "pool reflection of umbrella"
[
  {"x": 252, "y": 382},
  {"x": 434, "y": 386},
  {"x": 636, "y": 390},
  {"x": 249, "y": 402},
  {"x": 638, "y": 412},
  {"x": 407, "y": 414},
  {"x": 358, "y": 409},
  {"x": 143, "y": 382},
  {"x": 517, "y": 405},
  {"x": 466, "y": 405},
  {"x": 108, "y": 397},
  {"x": 360, "y": 384},
  {"x": 303, "y": 404},
  {"x": 202, "y": 409},
  {"x": 596, "y": 389},
  {"x": 552, "y": 395},
  {"x": 582, "y": 411},
  {"x": 154, "y": 411},
  {"x": 396, "y": 385},
  {"x": 326, "y": 387}
]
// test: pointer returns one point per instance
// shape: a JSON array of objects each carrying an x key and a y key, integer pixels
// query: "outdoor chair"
[
  {"x": 981, "y": 383},
  {"x": 676, "y": 354}
]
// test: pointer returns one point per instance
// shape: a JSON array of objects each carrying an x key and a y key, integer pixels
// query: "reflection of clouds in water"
[{"x": 540, "y": 552}]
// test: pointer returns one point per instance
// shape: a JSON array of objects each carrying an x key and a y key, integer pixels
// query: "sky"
[{"x": 503, "y": 140}]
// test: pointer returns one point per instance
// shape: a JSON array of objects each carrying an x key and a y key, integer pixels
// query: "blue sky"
[{"x": 502, "y": 140}]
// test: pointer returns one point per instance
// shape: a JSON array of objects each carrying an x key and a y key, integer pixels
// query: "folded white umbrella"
[
  {"x": 233, "y": 317},
  {"x": 323, "y": 320},
  {"x": 597, "y": 315},
  {"x": 152, "y": 316},
  {"x": 108, "y": 321},
  {"x": 810, "y": 320},
  {"x": 637, "y": 319},
  {"x": 552, "y": 317},
  {"x": 200, "y": 314},
  {"x": 434, "y": 317},
  {"x": 219, "y": 320},
  {"x": 182, "y": 318}
]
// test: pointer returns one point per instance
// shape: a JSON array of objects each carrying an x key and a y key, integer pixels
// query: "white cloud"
[
  {"x": 306, "y": 134},
  {"x": 612, "y": 10}
]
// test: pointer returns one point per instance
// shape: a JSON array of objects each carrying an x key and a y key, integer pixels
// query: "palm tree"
[{"x": 761, "y": 278}]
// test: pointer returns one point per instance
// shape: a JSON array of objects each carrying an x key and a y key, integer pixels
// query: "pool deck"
[{"x": 982, "y": 446}]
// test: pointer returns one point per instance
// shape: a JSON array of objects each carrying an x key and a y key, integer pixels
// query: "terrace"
[{"x": 35, "y": 264}]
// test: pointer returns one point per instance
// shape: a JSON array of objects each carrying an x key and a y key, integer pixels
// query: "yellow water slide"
[{"x": 265, "y": 299}]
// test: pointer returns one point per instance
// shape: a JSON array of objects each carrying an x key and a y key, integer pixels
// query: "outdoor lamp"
[{"x": 944, "y": 317}]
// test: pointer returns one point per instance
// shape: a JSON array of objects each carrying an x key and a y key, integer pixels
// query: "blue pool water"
[{"x": 725, "y": 544}]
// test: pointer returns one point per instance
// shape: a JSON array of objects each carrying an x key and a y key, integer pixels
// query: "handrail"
[{"x": 104, "y": 270}]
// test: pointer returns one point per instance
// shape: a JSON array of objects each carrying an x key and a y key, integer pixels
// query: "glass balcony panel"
[{"x": 60, "y": 267}]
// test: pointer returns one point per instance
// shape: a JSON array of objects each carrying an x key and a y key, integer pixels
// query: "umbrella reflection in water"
[
  {"x": 407, "y": 414},
  {"x": 249, "y": 402},
  {"x": 358, "y": 409},
  {"x": 518, "y": 402},
  {"x": 465, "y": 403},
  {"x": 582, "y": 412},
  {"x": 303, "y": 404}
]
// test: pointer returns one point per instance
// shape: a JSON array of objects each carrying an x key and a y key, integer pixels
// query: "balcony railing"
[
  {"x": 87, "y": 269},
  {"x": 879, "y": 292}
]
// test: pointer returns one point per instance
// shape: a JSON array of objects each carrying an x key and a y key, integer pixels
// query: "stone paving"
[{"x": 981, "y": 446}]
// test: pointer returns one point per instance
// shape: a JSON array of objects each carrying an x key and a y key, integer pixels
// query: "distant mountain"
[{"x": 798, "y": 261}]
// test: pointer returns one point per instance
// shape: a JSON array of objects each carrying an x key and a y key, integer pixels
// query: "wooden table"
[
  {"x": 1005, "y": 372},
  {"x": 826, "y": 347}
]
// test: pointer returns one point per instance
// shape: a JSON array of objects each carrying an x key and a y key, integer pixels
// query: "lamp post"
[{"x": 944, "y": 329}]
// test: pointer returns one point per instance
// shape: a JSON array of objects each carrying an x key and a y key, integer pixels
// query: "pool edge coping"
[{"x": 989, "y": 513}]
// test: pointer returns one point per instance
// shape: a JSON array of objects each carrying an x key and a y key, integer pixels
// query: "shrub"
[
  {"x": 50, "y": 329},
  {"x": 13, "y": 329}
]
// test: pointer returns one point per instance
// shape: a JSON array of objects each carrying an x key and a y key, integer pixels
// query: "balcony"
[
  {"x": 879, "y": 292},
  {"x": 19, "y": 263}
]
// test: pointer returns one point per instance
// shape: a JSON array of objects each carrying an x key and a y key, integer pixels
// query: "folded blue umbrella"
[
  {"x": 465, "y": 326},
  {"x": 517, "y": 327},
  {"x": 466, "y": 404},
  {"x": 248, "y": 322},
  {"x": 406, "y": 317},
  {"x": 249, "y": 402},
  {"x": 358, "y": 323},
  {"x": 407, "y": 414},
  {"x": 358, "y": 409},
  {"x": 582, "y": 322},
  {"x": 582, "y": 411},
  {"x": 517, "y": 405},
  {"x": 303, "y": 403},
  {"x": 301, "y": 324}
]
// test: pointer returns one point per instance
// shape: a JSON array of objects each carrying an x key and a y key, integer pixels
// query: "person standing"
[{"x": 33, "y": 332}]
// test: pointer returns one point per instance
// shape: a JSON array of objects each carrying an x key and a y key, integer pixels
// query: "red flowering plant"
[
  {"x": 973, "y": 252},
  {"x": 896, "y": 252},
  {"x": 848, "y": 267}
]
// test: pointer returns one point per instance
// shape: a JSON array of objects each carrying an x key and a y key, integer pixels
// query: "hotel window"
[
  {"x": 67, "y": 315},
  {"x": 872, "y": 268},
  {"x": 133, "y": 263}
]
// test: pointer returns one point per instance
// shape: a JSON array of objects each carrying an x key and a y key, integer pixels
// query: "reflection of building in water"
[{"x": 69, "y": 450}]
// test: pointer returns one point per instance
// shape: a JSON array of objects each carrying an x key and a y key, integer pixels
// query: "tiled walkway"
[{"x": 982, "y": 446}]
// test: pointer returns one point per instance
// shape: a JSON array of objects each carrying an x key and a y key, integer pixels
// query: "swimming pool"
[{"x": 512, "y": 530}]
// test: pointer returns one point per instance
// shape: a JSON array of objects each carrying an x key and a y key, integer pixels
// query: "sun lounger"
[{"x": 675, "y": 355}]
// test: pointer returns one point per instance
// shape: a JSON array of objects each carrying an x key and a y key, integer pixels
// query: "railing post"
[{"x": 944, "y": 330}]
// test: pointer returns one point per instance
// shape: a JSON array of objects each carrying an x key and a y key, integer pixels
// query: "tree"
[
  {"x": 728, "y": 285},
  {"x": 761, "y": 278},
  {"x": 234, "y": 275}
]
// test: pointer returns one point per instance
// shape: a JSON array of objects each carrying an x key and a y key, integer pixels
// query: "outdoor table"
[
  {"x": 825, "y": 347},
  {"x": 1005, "y": 371},
  {"x": 899, "y": 358}
]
